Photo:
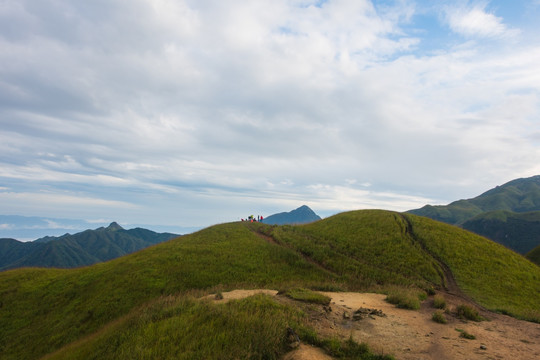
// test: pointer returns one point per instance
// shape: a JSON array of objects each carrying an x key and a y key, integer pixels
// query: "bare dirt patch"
[
  {"x": 410, "y": 334},
  {"x": 307, "y": 352}
]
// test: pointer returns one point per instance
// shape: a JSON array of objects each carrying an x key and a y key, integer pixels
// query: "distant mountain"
[
  {"x": 521, "y": 195},
  {"x": 508, "y": 214},
  {"x": 84, "y": 248},
  {"x": 518, "y": 231},
  {"x": 28, "y": 228},
  {"x": 302, "y": 215}
]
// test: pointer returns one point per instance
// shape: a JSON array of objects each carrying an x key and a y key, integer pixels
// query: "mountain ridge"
[
  {"x": 508, "y": 214},
  {"x": 81, "y": 249}
]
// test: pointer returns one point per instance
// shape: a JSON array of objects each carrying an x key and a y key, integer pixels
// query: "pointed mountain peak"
[
  {"x": 302, "y": 215},
  {"x": 114, "y": 227},
  {"x": 304, "y": 208}
]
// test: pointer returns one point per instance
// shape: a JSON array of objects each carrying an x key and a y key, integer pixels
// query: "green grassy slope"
[
  {"x": 251, "y": 328},
  {"x": 50, "y": 308},
  {"x": 360, "y": 250},
  {"x": 367, "y": 248},
  {"x": 534, "y": 255},
  {"x": 492, "y": 275}
]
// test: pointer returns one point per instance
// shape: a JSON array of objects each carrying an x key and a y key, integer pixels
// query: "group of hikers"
[{"x": 252, "y": 218}]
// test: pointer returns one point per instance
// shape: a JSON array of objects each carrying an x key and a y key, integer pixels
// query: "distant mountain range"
[
  {"x": 302, "y": 215},
  {"x": 508, "y": 214},
  {"x": 29, "y": 228},
  {"x": 80, "y": 249}
]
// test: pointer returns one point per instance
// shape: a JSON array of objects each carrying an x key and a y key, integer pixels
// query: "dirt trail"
[
  {"x": 409, "y": 334},
  {"x": 451, "y": 286},
  {"x": 310, "y": 260}
]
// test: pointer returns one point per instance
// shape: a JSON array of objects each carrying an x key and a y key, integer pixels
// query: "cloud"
[
  {"x": 188, "y": 111},
  {"x": 20, "y": 201},
  {"x": 475, "y": 21}
]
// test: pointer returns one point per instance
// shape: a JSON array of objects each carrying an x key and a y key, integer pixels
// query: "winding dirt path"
[{"x": 450, "y": 284}]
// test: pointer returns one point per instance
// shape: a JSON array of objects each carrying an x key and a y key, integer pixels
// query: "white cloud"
[
  {"x": 475, "y": 21},
  {"x": 21, "y": 200},
  {"x": 190, "y": 108}
]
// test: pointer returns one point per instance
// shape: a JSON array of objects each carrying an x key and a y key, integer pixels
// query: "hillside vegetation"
[
  {"x": 103, "y": 309},
  {"x": 518, "y": 231},
  {"x": 520, "y": 195},
  {"x": 508, "y": 214},
  {"x": 534, "y": 255}
]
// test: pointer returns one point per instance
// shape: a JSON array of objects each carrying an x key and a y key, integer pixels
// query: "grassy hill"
[{"x": 146, "y": 300}]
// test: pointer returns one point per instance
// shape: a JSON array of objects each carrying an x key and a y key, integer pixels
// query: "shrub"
[
  {"x": 404, "y": 299},
  {"x": 467, "y": 312},
  {"x": 430, "y": 290},
  {"x": 438, "y": 316},
  {"x": 439, "y": 302}
]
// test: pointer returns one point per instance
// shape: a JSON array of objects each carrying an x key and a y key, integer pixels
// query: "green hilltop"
[{"x": 144, "y": 305}]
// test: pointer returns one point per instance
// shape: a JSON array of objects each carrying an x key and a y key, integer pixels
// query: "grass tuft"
[
  {"x": 404, "y": 298},
  {"x": 349, "y": 349},
  {"x": 467, "y": 312},
  {"x": 305, "y": 295},
  {"x": 466, "y": 335},
  {"x": 439, "y": 302},
  {"x": 438, "y": 317}
]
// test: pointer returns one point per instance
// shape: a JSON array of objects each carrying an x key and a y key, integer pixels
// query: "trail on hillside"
[
  {"x": 450, "y": 283},
  {"x": 309, "y": 259}
]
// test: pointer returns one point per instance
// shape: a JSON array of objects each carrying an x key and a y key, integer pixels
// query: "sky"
[{"x": 192, "y": 113}]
